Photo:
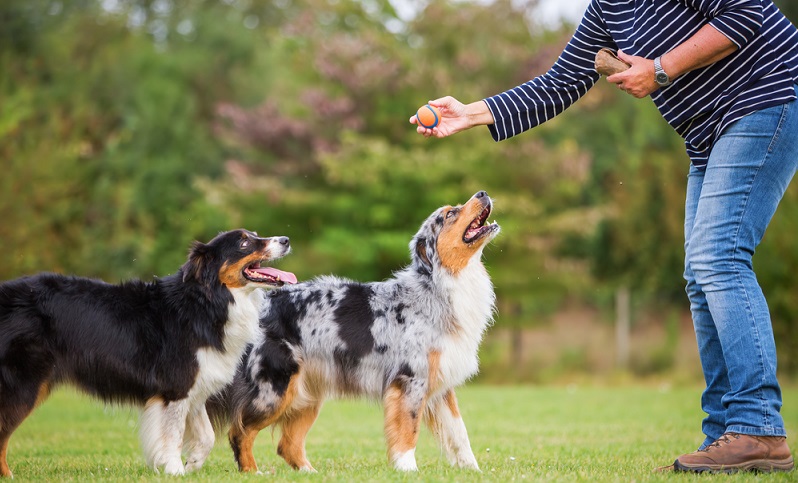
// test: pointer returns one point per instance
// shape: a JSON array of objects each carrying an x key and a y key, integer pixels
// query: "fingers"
[
  {"x": 637, "y": 92},
  {"x": 625, "y": 88},
  {"x": 625, "y": 57},
  {"x": 432, "y": 133},
  {"x": 422, "y": 130}
]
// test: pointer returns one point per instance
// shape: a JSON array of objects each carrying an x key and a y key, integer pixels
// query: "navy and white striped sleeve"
[
  {"x": 534, "y": 102},
  {"x": 739, "y": 20}
]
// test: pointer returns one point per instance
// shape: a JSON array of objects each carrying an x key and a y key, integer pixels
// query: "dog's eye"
[
  {"x": 244, "y": 243},
  {"x": 451, "y": 213}
]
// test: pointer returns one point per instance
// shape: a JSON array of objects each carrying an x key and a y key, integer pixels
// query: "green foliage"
[
  {"x": 103, "y": 152},
  {"x": 789, "y": 8},
  {"x": 130, "y": 128}
]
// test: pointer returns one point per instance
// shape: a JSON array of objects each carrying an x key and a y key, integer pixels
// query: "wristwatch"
[{"x": 659, "y": 73}]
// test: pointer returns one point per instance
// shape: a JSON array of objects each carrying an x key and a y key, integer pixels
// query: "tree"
[{"x": 128, "y": 129}]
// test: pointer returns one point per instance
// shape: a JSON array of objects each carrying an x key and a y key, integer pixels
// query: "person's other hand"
[
  {"x": 638, "y": 80},
  {"x": 454, "y": 118}
]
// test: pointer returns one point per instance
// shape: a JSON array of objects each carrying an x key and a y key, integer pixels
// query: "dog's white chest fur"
[
  {"x": 217, "y": 369},
  {"x": 472, "y": 300}
]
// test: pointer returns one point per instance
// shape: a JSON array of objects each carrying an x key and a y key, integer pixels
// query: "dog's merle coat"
[
  {"x": 408, "y": 342},
  {"x": 166, "y": 345}
]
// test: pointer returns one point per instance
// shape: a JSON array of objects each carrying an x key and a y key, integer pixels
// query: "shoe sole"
[{"x": 763, "y": 466}]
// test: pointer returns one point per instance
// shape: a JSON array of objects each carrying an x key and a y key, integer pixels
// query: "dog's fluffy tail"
[
  {"x": 225, "y": 409},
  {"x": 220, "y": 411}
]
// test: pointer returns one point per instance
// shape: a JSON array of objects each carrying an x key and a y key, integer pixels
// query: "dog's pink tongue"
[{"x": 280, "y": 275}]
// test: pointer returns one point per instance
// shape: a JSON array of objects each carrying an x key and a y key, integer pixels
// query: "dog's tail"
[
  {"x": 226, "y": 408},
  {"x": 220, "y": 410}
]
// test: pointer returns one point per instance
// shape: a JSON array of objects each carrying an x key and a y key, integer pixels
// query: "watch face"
[{"x": 662, "y": 78}]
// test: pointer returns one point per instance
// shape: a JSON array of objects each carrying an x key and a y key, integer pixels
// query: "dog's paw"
[
  {"x": 406, "y": 461},
  {"x": 193, "y": 465},
  {"x": 467, "y": 461},
  {"x": 469, "y": 464},
  {"x": 174, "y": 467}
]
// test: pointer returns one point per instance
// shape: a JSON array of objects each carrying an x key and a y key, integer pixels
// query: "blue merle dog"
[{"x": 407, "y": 342}]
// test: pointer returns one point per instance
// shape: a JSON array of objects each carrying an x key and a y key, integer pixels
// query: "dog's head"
[
  {"x": 453, "y": 235},
  {"x": 234, "y": 258}
]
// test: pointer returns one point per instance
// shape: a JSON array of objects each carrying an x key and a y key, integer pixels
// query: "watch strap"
[{"x": 660, "y": 75}]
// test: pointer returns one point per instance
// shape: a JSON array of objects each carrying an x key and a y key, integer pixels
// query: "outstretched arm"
[{"x": 534, "y": 102}]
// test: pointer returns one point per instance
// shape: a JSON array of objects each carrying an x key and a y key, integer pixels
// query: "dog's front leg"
[
  {"x": 161, "y": 429},
  {"x": 199, "y": 437},
  {"x": 444, "y": 421},
  {"x": 404, "y": 401},
  {"x": 173, "y": 429}
]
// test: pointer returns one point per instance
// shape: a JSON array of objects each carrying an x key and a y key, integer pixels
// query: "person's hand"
[
  {"x": 454, "y": 118},
  {"x": 638, "y": 80}
]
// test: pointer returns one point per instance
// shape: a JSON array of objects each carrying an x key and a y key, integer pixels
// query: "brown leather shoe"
[{"x": 734, "y": 452}]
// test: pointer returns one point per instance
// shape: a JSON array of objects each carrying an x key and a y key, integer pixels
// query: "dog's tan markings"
[
  {"x": 242, "y": 434},
  {"x": 231, "y": 274},
  {"x": 451, "y": 402},
  {"x": 434, "y": 361},
  {"x": 295, "y": 428},
  {"x": 5, "y": 471},
  {"x": 452, "y": 250},
  {"x": 44, "y": 393},
  {"x": 242, "y": 443},
  {"x": 19, "y": 412},
  {"x": 401, "y": 422}
]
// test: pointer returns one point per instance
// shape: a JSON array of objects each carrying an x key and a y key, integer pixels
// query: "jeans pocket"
[{"x": 765, "y": 122}]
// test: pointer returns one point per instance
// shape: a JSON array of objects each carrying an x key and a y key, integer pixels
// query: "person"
[{"x": 723, "y": 74}]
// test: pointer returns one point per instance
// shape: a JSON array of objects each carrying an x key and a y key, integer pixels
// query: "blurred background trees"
[{"x": 129, "y": 128}]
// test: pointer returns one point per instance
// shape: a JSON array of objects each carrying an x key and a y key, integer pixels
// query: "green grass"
[{"x": 572, "y": 433}]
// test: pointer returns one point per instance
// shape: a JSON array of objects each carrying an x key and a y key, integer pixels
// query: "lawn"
[{"x": 572, "y": 433}]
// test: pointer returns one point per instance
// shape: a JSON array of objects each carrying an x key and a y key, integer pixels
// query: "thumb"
[{"x": 442, "y": 102}]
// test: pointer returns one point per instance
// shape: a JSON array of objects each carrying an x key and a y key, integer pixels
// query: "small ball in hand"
[{"x": 428, "y": 116}]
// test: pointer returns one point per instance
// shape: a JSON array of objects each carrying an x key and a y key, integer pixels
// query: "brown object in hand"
[{"x": 607, "y": 63}]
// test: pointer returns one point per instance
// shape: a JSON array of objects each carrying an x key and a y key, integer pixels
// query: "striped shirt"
[{"x": 699, "y": 105}]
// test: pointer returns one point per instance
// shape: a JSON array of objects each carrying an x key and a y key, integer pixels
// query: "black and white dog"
[
  {"x": 407, "y": 342},
  {"x": 166, "y": 345}
]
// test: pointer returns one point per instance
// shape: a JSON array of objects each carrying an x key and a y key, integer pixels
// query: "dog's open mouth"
[
  {"x": 268, "y": 275},
  {"x": 479, "y": 226}
]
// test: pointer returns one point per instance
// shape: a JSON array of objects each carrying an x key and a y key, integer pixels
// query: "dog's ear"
[
  {"x": 424, "y": 265},
  {"x": 196, "y": 263}
]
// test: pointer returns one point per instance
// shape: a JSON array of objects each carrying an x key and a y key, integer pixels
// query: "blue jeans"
[{"x": 728, "y": 207}]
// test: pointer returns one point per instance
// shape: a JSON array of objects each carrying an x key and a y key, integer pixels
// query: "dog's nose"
[
  {"x": 283, "y": 240},
  {"x": 480, "y": 194}
]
